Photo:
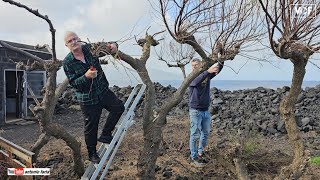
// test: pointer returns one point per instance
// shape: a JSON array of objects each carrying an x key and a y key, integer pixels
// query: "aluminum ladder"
[{"x": 106, "y": 152}]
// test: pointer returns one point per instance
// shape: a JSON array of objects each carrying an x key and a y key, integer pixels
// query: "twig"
[{"x": 314, "y": 64}]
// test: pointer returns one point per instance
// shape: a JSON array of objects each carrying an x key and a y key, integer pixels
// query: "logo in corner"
[
  {"x": 303, "y": 10},
  {"x": 18, "y": 171}
]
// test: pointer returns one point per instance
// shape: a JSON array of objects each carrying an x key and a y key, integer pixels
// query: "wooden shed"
[{"x": 18, "y": 86}]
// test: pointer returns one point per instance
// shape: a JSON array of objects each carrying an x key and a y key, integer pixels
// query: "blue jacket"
[{"x": 199, "y": 91}]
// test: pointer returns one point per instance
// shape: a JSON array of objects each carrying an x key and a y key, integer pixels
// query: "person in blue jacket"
[{"x": 199, "y": 102}]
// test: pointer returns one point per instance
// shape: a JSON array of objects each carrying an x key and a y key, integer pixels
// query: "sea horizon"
[{"x": 226, "y": 84}]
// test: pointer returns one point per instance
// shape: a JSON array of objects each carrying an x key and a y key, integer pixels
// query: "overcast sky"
[{"x": 112, "y": 20}]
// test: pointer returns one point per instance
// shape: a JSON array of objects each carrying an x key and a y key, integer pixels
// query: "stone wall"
[{"x": 249, "y": 110}]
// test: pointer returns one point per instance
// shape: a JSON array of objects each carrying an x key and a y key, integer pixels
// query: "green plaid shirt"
[{"x": 88, "y": 91}]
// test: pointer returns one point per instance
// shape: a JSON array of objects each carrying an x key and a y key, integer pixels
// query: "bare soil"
[{"x": 263, "y": 155}]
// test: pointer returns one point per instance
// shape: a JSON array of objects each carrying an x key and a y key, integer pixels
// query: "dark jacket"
[
  {"x": 199, "y": 91},
  {"x": 88, "y": 91}
]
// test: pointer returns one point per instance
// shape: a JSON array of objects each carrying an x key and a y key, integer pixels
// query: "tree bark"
[
  {"x": 154, "y": 121},
  {"x": 287, "y": 110},
  {"x": 42, "y": 140},
  {"x": 148, "y": 155},
  {"x": 59, "y": 132}
]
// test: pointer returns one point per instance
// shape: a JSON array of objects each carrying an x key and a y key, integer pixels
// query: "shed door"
[
  {"x": 36, "y": 81},
  {"x": 13, "y": 94}
]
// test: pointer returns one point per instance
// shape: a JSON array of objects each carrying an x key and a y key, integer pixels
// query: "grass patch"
[
  {"x": 315, "y": 160},
  {"x": 250, "y": 148}
]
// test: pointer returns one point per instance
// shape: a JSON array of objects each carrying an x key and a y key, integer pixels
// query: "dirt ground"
[{"x": 263, "y": 156}]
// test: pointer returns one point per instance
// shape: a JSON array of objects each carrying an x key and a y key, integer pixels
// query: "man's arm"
[
  {"x": 220, "y": 67},
  {"x": 199, "y": 78},
  {"x": 74, "y": 80}
]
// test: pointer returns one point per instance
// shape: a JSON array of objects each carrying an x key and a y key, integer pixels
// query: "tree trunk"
[
  {"x": 45, "y": 114},
  {"x": 148, "y": 155},
  {"x": 44, "y": 111},
  {"x": 153, "y": 121},
  {"x": 287, "y": 110}
]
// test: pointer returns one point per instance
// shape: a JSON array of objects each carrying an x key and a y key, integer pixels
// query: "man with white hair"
[{"x": 92, "y": 91}]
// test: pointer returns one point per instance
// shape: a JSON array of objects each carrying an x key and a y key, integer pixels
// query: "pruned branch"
[
  {"x": 46, "y": 46},
  {"x": 149, "y": 41}
]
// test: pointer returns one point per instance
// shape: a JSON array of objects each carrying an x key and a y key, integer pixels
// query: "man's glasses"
[{"x": 73, "y": 40}]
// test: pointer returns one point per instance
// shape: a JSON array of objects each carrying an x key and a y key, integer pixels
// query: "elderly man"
[
  {"x": 92, "y": 91},
  {"x": 199, "y": 101}
]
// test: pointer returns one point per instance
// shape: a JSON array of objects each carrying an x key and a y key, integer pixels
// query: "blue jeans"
[{"x": 199, "y": 131}]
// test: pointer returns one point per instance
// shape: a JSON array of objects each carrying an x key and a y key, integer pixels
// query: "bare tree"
[
  {"x": 225, "y": 26},
  {"x": 44, "y": 110},
  {"x": 192, "y": 17},
  {"x": 294, "y": 37},
  {"x": 176, "y": 55}
]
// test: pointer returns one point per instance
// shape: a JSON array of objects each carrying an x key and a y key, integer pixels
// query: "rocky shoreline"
[{"x": 251, "y": 110}]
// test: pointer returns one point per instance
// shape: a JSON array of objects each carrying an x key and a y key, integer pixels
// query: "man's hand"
[
  {"x": 214, "y": 69},
  {"x": 91, "y": 74},
  {"x": 113, "y": 47}
]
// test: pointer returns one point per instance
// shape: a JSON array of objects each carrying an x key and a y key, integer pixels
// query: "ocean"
[{"x": 229, "y": 84}]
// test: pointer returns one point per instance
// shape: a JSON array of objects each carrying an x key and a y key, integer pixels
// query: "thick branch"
[
  {"x": 149, "y": 41},
  {"x": 42, "y": 140},
  {"x": 128, "y": 59},
  {"x": 145, "y": 52},
  {"x": 30, "y": 67},
  {"x": 31, "y": 56},
  {"x": 62, "y": 87},
  {"x": 177, "y": 96},
  {"x": 45, "y": 17},
  {"x": 196, "y": 46}
]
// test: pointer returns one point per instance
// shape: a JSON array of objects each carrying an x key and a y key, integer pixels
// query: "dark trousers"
[{"x": 92, "y": 115}]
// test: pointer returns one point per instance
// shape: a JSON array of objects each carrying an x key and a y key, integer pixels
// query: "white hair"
[
  {"x": 196, "y": 60},
  {"x": 67, "y": 33}
]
